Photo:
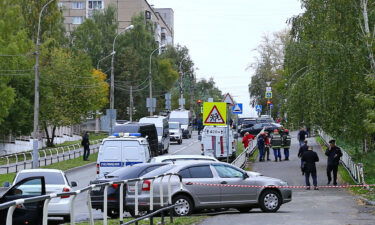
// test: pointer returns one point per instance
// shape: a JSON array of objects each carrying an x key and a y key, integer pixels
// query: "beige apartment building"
[{"x": 76, "y": 11}]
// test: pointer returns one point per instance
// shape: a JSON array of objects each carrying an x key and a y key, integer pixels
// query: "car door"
[
  {"x": 26, "y": 213},
  {"x": 206, "y": 195},
  {"x": 229, "y": 175}
]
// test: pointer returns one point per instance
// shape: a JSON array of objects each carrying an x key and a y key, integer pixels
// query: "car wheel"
[
  {"x": 244, "y": 209},
  {"x": 180, "y": 141},
  {"x": 166, "y": 150},
  {"x": 270, "y": 201},
  {"x": 66, "y": 219},
  {"x": 186, "y": 207}
]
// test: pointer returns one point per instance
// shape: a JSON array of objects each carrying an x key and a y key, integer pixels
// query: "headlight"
[{"x": 283, "y": 183}]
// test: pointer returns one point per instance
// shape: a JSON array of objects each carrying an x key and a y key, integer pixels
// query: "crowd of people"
[{"x": 280, "y": 139}]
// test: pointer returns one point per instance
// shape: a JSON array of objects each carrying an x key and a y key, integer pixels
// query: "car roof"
[
  {"x": 184, "y": 157},
  {"x": 41, "y": 170}
]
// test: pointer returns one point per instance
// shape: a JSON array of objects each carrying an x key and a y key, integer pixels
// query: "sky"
[{"x": 222, "y": 36}]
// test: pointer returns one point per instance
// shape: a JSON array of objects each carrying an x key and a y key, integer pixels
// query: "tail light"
[
  {"x": 115, "y": 186},
  {"x": 97, "y": 168},
  {"x": 65, "y": 189},
  {"x": 146, "y": 186}
]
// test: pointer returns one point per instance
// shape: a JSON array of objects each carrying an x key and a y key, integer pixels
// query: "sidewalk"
[{"x": 324, "y": 206}]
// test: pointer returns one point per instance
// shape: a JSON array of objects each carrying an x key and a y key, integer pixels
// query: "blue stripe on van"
[
  {"x": 131, "y": 163},
  {"x": 111, "y": 164}
]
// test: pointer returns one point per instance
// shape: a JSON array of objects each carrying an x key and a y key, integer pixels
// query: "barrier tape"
[{"x": 294, "y": 187}]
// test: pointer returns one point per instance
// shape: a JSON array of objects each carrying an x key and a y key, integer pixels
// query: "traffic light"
[
  {"x": 199, "y": 101},
  {"x": 269, "y": 102}
]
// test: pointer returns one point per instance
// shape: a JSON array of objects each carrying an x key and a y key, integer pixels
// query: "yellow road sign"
[{"x": 214, "y": 113}]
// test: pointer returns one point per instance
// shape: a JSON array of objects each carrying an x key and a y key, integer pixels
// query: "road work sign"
[{"x": 214, "y": 113}]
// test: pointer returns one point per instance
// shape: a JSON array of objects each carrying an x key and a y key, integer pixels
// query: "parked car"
[
  {"x": 113, "y": 195},
  {"x": 162, "y": 128},
  {"x": 184, "y": 117},
  {"x": 56, "y": 182},
  {"x": 254, "y": 130},
  {"x": 25, "y": 213},
  {"x": 246, "y": 122},
  {"x": 181, "y": 158},
  {"x": 175, "y": 132},
  {"x": 194, "y": 196},
  {"x": 147, "y": 130},
  {"x": 121, "y": 150}
]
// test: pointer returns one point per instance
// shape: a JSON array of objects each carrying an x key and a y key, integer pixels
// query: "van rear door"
[
  {"x": 111, "y": 157},
  {"x": 133, "y": 153}
]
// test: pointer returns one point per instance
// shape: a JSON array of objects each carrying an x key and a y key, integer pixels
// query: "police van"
[
  {"x": 214, "y": 143},
  {"x": 119, "y": 150}
]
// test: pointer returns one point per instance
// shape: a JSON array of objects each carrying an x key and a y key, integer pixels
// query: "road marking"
[{"x": 183, "y": 148}]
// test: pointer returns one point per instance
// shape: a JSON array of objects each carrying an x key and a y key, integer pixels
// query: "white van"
[
  {"x": 162, "y": 128},
  {"x": 121, "y": 150},
  {"x": 175, "y": 132},
  {"x": 184, "y": 117},
  {"x": 214, "y": 143}
]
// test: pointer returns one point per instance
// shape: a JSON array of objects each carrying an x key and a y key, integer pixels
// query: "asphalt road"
[
  {"x": 324, "y": 206},
  {"x": 85, "y": 175}
]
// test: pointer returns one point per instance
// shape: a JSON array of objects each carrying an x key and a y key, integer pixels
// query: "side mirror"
[
  {"x": 73, "y": 184},
  {"x": 245, "y": 176},
  {"x": 6, "y": 184}
]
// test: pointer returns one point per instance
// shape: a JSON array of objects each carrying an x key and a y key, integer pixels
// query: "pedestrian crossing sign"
[
  {"x": 214, "y": 113},
  {"x": 237, "y": 108}
]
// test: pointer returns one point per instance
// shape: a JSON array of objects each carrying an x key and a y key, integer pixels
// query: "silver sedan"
[{"x": 210, "y": 185}]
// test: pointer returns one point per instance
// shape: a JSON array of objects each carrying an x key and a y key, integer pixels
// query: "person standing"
[
  {"x": 261, "y": 145},
  {"x": 86, "y": 146},
  {"x": 310, "y": 158},
  {"x": 199, "y": 126},
  {"x": 285, "y": 142},
  {"x": 301, "y": 136},
  {"x": 267, "y": 146},
  {"x": 246, "y": 139},
  {"x": 334, "y": 154},
  {"x": 276, "y": 144},
  {"x": 302, "y": 150}
]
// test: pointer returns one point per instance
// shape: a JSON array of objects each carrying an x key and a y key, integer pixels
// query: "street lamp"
[
  {"x": 150, "y": 79},
  {"x": 181, "y": 77},
  {"x": 36, "y": 95},
  {"x": 112, "y": 88}
]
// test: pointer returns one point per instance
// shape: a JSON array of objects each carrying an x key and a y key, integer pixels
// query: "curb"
[
  {"x": 80, "y": 167},
  {"x": 366, "y": 201}
]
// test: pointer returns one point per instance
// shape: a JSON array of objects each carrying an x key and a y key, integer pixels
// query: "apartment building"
[{"x": 76, "y": 11}]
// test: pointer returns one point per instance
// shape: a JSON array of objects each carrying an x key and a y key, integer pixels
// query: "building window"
[
  {"x": 60, "y": 5},
  {"x": 77, "y": 5},
  {"x": 148, "y": 15},
  {"x": 95, "y": 4},
  {"x": 77, "y": 20}
]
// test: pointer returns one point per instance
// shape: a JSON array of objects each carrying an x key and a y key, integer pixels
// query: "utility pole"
[
  {"x": 150, "y": 102},
  {"x": 36, "y": 94},
  {"x": 131, "y": 104}
]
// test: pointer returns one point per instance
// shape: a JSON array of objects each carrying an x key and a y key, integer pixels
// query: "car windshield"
[
  {"x": 184, "y": 121},
  {"x": 174, "y": 126},
  {"x": 126, "y": 172},
  {"x": 159, "y": 171},
  {"x": 186, "y": 159},
  {"x": 257, "y": 126},
  {"x": 50, "y": 177}
]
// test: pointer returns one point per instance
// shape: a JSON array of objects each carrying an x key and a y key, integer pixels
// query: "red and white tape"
[{"x": 294, "y": 187}]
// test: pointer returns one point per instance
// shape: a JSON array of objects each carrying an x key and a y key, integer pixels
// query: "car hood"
[
  {"x": 174, "y": 131},
  {"x": 268, "y": 180},
  {"x": 184, "y": 127},
  {"x": 253, "y": 174}
]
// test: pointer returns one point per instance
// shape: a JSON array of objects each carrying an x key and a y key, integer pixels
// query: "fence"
[
  {"x": 241, "y": 160},
  {"x": 354, "y": 169},
  {"x": 47, "y": 198},
  {"x": 23, "y": 160}
]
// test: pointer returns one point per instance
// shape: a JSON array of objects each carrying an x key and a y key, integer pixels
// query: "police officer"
[
  {"x": 285, "y": 142},
  {"x": 310, "y": 158},
  {"x": 302, "y": 150},
  {"x": 86, "y": 146},
  {"x": 334, "y": 154},
  {"x": 276, "y": 144}
]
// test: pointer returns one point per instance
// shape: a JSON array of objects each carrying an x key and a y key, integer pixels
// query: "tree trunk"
[
  {"x": 47, "y": 135},
  {"x": 53, "y": 136},
  {"x": 367, "y": 33}
]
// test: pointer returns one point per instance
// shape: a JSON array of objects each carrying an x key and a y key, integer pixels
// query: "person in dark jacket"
[
  {"x": 310, "y": 158},
  {"x": 302, "y": 150},
  {"x": 261, "y": 146},
  {"x": 86, "y": 146},
  {"x": 301, "y": 136},
  {"x": 334, "y": 154}
]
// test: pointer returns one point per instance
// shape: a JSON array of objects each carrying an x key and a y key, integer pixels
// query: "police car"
[{"x": 121, "y": 149}]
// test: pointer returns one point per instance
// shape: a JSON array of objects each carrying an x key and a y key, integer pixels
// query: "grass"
[
  {"x": 176, "y": 221},
  {"x": 369, "y": 167},
  {"x": 93, "y": 137},
  {"x": 64, "y": 165},
  {"x": 240, "y": 148}
]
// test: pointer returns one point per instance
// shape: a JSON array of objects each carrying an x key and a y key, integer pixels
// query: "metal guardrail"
[
  {"x": 47, "y": 198},
  {"x": 58, "y": 154},
  {"x": 241, "y": 160},
  {"x": 355, "y": 170}
]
